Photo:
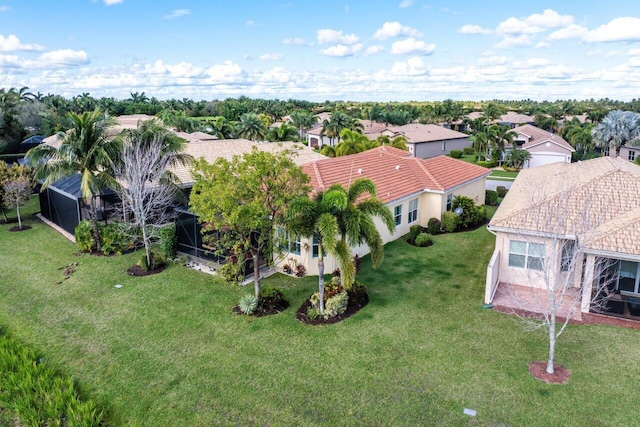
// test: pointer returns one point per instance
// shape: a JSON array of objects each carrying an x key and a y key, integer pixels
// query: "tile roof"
[
  {"x": 508, "y": 117},
  {"x": 417, "y": 132},
  {"x": 395, "y": 174},
  {"x": 536, "y": 136},
  {"x": 597, "y": 199}
]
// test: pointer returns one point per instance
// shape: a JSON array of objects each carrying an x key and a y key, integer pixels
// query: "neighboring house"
[
  {"x": 596, "y": 202},
  {"x": 544, "y": 147},
  {"x": 510, "y": 118},
  {"x": 425, "y": 141},
  {"x": 414, "y": 189},
  {"x": 628, "y": 152}
]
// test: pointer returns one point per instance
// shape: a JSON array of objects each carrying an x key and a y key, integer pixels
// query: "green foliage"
[
  {"x": 248, "y": 304},
  {"x": 313, "y": 313},
  {"x": 468, "y": 151},
  {"x": 414, "y": 230},
  {"x": 84, "y": 239},
  {"x": 470, "y": 216},
  {"x": 37, "y": 394},
  {"x": 450, "y": 222},
  {"x": 336, "y": 305},
  {"x": 231, "y": 272},
  {"x": 157, "y": 261},
  {"x": 502, "y": 191},
  {"x": 491, "y": 197},
  {"x": 487, "y": 164},
  {"x": 358, "y": 293},
  {"x": 114, "y": 240},
  {"x": 434, "y": 226},
  {"x": 168, "y": 241},
  {"x": 423, "y": 239},
  {"x": 270, "y": 295},
  {"x": 457, "y": 154}
]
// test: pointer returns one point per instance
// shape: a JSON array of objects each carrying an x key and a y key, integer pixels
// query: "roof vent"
[
  {"x": 397, "y": 167},
  {"x": 360, "y": 171}
]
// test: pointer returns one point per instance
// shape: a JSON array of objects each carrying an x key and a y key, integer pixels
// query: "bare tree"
[
  {"x": 147, "y": 196},
  {"x": 555, "y": 250},
  {"x": 17, "y": 192}
]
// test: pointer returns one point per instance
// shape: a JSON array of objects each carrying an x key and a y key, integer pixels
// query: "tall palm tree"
[
  {"x": 334, "y": 125},
  {"x": 493, "y": 111},
  {"x": 221, "y": 127},
  {"x": 284, "y": 132},
  {"x": 251, "y": 127},
  {"x": 481, "y": 142},
  {"x": 617, "y": 129},
  {"x": 88, "y": 149},
  {"x": 303, "y": 119},
  {"x": 352, "y": 142},
  {"x": 356, "y": 224}
]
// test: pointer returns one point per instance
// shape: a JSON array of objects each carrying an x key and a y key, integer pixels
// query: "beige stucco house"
[
  {"x": 544, "y": 147},
  {"x": 414, "y": 189},
  {"x": 576, "y": 224}
]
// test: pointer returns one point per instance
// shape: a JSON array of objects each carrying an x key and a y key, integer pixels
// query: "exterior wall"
[
  {"x": 629, "y": 153},
  {"x": 546, "y": 158},
  {"x": 549, "y": 148},
  {"x": 425, "y": 150},
  {"x": 474, "y": 190},
  {"x": 315, "y": 140}
]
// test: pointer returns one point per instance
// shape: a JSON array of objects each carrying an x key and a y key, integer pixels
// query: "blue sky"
[{"x": 355, "y": 50}]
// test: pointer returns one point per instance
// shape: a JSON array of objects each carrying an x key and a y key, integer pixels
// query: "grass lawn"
[
  {"x": 510, "y": 176},
  {"x": 166, "y": 350}
]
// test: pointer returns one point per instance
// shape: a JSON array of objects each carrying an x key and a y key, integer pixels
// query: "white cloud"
[
  {"x": 492, "y": 60},
  {"x": 5, "y": 9},
  {"x": 541, "y": 45},
  {"x": 227, "y": 72},
  {"x": 513, "y": 41},
  {"x": 177, "y": 13},
  {"x": 634, "y": 52},
  {"x": 534, "y": 24},
  {"x": 474, "y": 29},
  {"x": 112, "y": 2},
  {"x": 63, "y": 58},
  {"x": 248, "y": 57},
  {"x": 572, "y": 31},
  {"x": 405, "y": 3},
  {"x": 394, "y": 29},
  {"x": 412, "y": 46},
  {"x": 12, "y": 43},
  {"x": 531, "y": 63},
  {"x": 335, "y": 37},
  {"x": 411, "y": 67},
  {"x": 270, "y": 57},
  {"x": 341, "y": 50},
  {"x": 249, "y": 23},
  {"x": 617, "y": 30},
  {"x": 372, "y": 50},
  {"x": 297, "y": 41}
]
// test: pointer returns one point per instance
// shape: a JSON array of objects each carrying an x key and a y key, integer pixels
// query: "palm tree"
[
  {"x": 303, "y": 119},
  {"x": 493, "y": 111},
  {"x": 516, "y": 158},
  {"x": 251, "y": 127},
  {"x": 356, "y": 226},
  {"x": 617, "y": 129},
  {"x": 399, "y": 141},
  {"x": 328, "y": 150},
  {"x": 352, "y": 142},
  {"x": 221, "y": 127},
  {"x": 334, "y": 125},
  {"x": 88, "y": 149},
  {"x": 284, "y": 132},
  {"x": 481, "y": 142}
]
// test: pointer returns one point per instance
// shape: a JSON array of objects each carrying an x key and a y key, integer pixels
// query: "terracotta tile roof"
[
  {"x": 417, "y": 132},
  {"x": 536, "y": 136},
  {"x": 395, "y": 174},
  {"x": 227, "y": 148},
  {"x": 508, "y": 117},
  {"x": 597, "y": 199}
]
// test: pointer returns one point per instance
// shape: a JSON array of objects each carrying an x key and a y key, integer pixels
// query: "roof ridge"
[
  {"x": 316, "y": 170},
  {"x": 426, "y": 171}
]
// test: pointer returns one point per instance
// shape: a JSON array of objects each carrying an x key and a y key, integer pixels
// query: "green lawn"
[
  {"x": 510, "y": 176},
  {"x": 166, "y": 350}
]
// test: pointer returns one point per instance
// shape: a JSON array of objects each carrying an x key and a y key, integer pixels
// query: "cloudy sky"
[{"x": 396, "y": 50}]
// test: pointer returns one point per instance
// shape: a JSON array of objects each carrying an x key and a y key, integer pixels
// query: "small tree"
[
  {"x": 247, "y": 197},
  {"x": 7, "y": 174},
  {"x": 17, "y": 192}
]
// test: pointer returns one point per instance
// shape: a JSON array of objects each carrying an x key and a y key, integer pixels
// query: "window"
[
  {"x": 568, "y": 254},
  {"x": 444, "y": 145},
  {"x": 289, "y": 243},
  {"x": 526, "y": 255},
  {"x": 606, "y": 150},
  {"x": 397, "y": 214},
  {"x": 314, "y": 248},
  {"x": 628, "y": 277},
  {"x": 449, "y": 201},
  {"x": 632, "y": 155},
  {"x": 413, "y": 211}
]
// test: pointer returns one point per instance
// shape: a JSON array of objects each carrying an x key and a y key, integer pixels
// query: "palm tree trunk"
[
  {"x": 95, "y": 231},
  {"x": 321, "y": 277}
]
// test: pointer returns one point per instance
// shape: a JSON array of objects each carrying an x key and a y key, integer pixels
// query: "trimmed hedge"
[
  {"x": 456, "y": 154},
  {"x": 468, "y": 151},
  {"x": 489, "y": 164},
  {"x": 491, "y": 197},
  {"x": 502, "y": 191},
  {"x": 450, "y": 221}
]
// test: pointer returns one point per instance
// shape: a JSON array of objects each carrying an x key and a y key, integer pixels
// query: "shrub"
[
  {"x": 270, "y": 295},
  {"x": 84, "y": 240},
  {"x": 114, "y": 241},
  {"x": 300, "y": 270},
  {"x": 468, "y": 150},
  {"x": 157, "y": 260},
  {"x": 357, "y": 293},
  {"x": 487, "y": 164},
  {"x": 456, "y": 154},
  {"x": 450, "y": 222},
  {"x": 336, "y": 305},
  {"x": 423, "y": 239},
  {"x": 248, "y": 304},
  {"x": 434, "y": 225},
  {"x": 313, "y": 313},
  {"x": 502, "y": 191},
  {"x": 509, "y": 168},
  {"x": 469, "y": 216},
  {"x": 231, "y": 272},
  {"x": 168, "y": 241},
  {"x": 414, "y": 230},
  {"x": 491, "y": 197}
]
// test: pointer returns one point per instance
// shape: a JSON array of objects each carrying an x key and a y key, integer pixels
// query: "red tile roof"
[{"x": 395, "y": 174}]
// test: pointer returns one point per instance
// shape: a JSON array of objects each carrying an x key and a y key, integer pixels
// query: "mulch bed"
[
  {"x": 265, "y": 311},
  {"x": 138, "y": 271},
  {"x": 24, "y": 228},
  {"x": 352, "y": 309},
  {"x": 539, "y": 370}
]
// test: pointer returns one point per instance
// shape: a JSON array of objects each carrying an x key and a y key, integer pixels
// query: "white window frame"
[
  {"x": 397, "y": 214},
  {"x": 412, "y": 215},
  {"x": 289, "y": 244},
  {"x": 532, "y": 255}
]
